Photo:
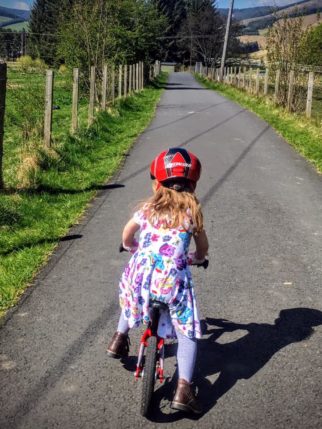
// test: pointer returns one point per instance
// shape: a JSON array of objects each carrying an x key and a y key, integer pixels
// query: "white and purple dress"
[{"x": 158, "y": 270}]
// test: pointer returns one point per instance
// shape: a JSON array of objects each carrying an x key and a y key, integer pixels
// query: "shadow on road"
[
  {"x": 182, "y": 118},
  {"x": 28, "y": 245},
  {"x": 189, "y": 88},
  {"x": 186, "y": 142},
  {"x": 56, "y": 190},
  {"x": 239, "y": 359}
]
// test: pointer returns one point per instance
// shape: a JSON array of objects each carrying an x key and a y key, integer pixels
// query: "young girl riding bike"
[{"x": 158, "y": 269}]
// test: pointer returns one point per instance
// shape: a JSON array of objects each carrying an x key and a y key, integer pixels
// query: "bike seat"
[{"x": 159, "y": 305}]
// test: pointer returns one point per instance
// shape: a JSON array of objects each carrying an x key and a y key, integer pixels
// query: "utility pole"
[{"x": 223, "y": 58}]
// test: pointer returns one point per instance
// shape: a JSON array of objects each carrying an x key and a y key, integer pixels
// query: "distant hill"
[
  {"x": 257, "y": 18},
  {"x": 9, "y": 16},
  {"x": 249, "y": 12}
]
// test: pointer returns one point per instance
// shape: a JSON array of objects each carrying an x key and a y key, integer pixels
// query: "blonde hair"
[{"x": 173, "y": 208}]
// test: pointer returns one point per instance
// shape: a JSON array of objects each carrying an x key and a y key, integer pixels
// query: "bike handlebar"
[{"x": 203, "y": 264}]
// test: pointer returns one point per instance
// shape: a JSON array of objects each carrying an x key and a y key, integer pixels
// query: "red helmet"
[{"x": 176, "y": 163}]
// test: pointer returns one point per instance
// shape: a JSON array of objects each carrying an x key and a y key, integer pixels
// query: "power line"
[{"x": 188, "y": 37}]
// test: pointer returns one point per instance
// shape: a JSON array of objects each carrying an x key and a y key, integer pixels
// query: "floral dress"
[{"x": 158, "y": 270}]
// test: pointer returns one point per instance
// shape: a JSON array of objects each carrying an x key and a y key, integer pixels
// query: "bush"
[
  {"x": 27, "y": 64},
  {"x": 63, "y": 69}
]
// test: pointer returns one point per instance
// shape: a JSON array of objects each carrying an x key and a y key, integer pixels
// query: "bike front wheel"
[{"x": 149, "y": 375}]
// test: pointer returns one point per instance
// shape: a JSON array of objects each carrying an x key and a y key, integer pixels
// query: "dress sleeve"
[
  {"x": 139, "y": 217},
  {"x": 189, "y": 225}
]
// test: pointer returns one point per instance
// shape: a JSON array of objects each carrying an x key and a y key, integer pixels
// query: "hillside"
[
  {"x": 308, "y": 21},
  {"x": 254, "y": 24},
  {"x": 18, "y": 26},
  {"x": 10, "y": 16},
  {"x": 306, "y": 7}
]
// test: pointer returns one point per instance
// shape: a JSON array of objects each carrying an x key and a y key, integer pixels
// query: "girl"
[{"x": 159, "y": 268}]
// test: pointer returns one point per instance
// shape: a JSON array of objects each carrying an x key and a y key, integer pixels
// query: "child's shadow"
[{"x": 242, "y": 358}]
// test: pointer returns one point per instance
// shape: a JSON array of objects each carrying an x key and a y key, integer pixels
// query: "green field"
[
  {"x": 4, "y": 19},
  {"x": 34, "y": 217},
  {"x": 19, "y": 26}
]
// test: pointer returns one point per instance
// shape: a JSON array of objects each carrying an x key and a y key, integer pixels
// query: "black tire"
[{"x": 149, "y": 375}]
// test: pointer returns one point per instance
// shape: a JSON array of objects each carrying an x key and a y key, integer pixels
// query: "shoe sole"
[
  {"x": 113, "y": 355},
  {"x": 185, "y": 408}
]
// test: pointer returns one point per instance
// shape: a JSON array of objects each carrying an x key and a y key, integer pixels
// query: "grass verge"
[
  {"x": 301, "y": 133},
  {"x": 33, "y": 221}
]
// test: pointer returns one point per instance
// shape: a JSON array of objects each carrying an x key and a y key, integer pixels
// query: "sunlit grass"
[{"x": 32, "y": 221}]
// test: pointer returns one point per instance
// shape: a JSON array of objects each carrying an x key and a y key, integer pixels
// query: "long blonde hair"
[{"x": 173, "y": 208}]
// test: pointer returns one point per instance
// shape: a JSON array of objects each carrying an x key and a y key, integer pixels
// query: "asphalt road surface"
[{"x": 259, "y": 363}]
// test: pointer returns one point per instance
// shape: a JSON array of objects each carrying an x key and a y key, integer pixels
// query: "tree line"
[{"x": 90, "y": 32}]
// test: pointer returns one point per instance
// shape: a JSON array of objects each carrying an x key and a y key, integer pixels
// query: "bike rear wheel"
[{"x": 149, "y": 375}]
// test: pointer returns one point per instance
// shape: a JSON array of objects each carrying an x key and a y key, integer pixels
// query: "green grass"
[
  {"x": 33, "y": 221},
  {"x": 304, "y": 135},
  {"x": 4, "y": 19},
  {"x": 19, "y": 26}
]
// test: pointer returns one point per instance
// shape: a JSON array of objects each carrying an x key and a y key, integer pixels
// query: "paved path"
[{"x": 262, "y": 369}]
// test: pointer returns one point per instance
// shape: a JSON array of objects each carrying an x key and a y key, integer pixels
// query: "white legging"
[{"x": 186, "y": 354}]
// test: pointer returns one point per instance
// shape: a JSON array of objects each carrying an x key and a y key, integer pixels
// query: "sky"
[
  {"x": 17, "y": 4},
  {"x": 26, "y": 4}
]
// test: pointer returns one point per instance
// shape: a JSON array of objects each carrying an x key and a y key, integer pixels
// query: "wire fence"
[
  {"x": 298, "y": 89},
  {"x": 40, "y": 107}
]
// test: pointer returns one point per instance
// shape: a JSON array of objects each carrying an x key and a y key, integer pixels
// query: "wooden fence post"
[
  {"x": 257, "y": 83},
  {"x": 75, "y": 100},
  {"x": 137, "y": 77},
  {"x": 48, "y": 107},
  {"x": 119, "y": 94},
  {"x": 104, "y": 87},
  {"x": 130, "y": 79},
  {"x": 266, "y": 81},
  {"x": 134, "y": 77},
  {"x": 3, "y": 89},
  {"x": 113, "y": 84},
  {"x": 290, "y": 91},
  {"x": 142, "y": 75},
  {"x": 91, "y": 96},
  {"x": 125, "y": 81},
  {"x": 277, "y": 84},
  {"x": 309, "y": 98}
]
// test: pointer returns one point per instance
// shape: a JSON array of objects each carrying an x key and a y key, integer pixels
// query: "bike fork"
[{"x": 160, "y": 362}]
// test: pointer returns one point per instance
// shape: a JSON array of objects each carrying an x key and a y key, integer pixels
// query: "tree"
[
  {"x": 284, "y": 52},
  {"x": 100, "y": 31},
  {"x": 176, "y": 12},
  {"x": 202, "y": 32},
  {"x": 10, "y": 44},
  {"x": 311, "y": 46},
  {"x": 43, "y": 28}
]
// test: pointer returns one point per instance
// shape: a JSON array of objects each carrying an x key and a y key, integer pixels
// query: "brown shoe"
[
  {"x": 119, "y": 346},
  {"x": 184, "y": 399}
]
